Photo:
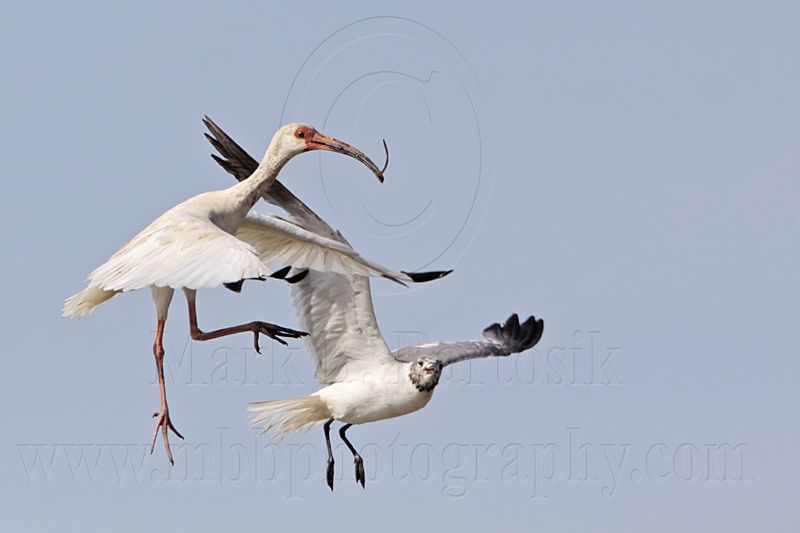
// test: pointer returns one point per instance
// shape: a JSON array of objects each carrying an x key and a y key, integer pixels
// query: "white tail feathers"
[
  {"x": 84, "y": 302},
  {"x": 286, "y": 416}
]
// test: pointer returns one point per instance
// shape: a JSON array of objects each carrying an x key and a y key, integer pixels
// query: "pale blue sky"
[{"x": 629, "y": 173}]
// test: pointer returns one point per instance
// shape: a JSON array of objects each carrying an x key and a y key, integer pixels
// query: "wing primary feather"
[
  {"x": 512, "y": 326},
  {"x": 281, "y": 274},
  {"x": 515, "y": 336},
  {"x": 422, "y": 277},
  {"x": 392, "y": 278},
  {"x": 235, "y": 287},
  {"x": 297, "y": 278}
]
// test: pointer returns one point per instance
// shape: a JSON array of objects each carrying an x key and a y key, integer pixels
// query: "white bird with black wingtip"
[
  {"x": 212, "y": 239},
  {"x": 364, "y": 381}
]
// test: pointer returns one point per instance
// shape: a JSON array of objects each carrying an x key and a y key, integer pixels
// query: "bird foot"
[
  {"x": 164, "y": 424},
  {"x": 274, "y": 332},
  {"x": 329, "y": 473},
  {"x": 360, "y": 477}
]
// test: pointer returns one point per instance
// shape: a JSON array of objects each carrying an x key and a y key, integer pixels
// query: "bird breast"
[{"x": 371, "y": 399}]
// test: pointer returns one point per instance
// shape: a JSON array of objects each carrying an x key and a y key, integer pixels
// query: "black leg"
[
  {"x": 327, "y": 428},
  {"x": 360, "y": 477}
]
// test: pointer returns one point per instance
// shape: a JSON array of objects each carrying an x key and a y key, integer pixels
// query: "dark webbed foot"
[
  {"x": 360, "y": 476},
  {"x": 329, "y": 473},
  {"x": 359, "y": 462}
]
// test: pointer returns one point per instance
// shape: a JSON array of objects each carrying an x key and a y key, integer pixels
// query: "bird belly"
[{"x": 359, "y": 402}]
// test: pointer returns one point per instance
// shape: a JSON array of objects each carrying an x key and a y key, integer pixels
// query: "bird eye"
[
  {"x": 419, "y": 363},
  {"x": 300, "y": 133}
]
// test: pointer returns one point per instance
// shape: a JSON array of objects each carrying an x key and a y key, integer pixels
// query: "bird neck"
[{"x": 248, "y": 191}]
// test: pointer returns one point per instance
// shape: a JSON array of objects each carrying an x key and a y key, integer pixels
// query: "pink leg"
[
  {"x": 163, "y": 421},
  {"x": 256, "y": 328}
]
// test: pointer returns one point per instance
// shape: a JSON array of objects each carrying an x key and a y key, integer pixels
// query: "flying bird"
[
  {"x": 364, "y": 381},
  {"x": 212, "y": 240},
  {"x": 237, "y": 162}
]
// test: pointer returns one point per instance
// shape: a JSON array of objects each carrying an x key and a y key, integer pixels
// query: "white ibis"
[
  {"x": 237, "y": 162},
  {"x": 364, "y": 381},
  {"x": 210, "y": 240}
]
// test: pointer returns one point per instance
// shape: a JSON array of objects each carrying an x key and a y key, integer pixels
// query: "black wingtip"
[
  {"x": 235, "y": 287},
  {"x": 422, "y": 277},
  {"x": 517, "y": 337},
  {"x": 281, "y": 274},
  {"x": 297, "y": 278}
]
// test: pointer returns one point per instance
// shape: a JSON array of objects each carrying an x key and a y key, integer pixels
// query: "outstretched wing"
[
  {"x": 281, "y": 242},
  {"x": 344, "y": 337},
  {"x": 336, "y": 310},
  {"x": 237, "y": 162},
  {"x": 501, "y": 340},
  {"x": 179, "y": 249}
]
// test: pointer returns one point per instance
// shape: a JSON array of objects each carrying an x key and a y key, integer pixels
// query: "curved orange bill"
[{"x": 323, "y": 142}]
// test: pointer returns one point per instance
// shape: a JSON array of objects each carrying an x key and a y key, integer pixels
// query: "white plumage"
[
  {"x": 184, "y": 248},
  {"x": 210, "y": 240},
  {"x": 364, "y": 381},
  {"x": 280, "y": 242},
  {"x": 181, "y": 248},
  {"x": 344, "y": 338}
]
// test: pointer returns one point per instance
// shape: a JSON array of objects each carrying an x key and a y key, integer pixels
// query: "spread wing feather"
[
  {"x": 179, "y": 249},
  {"x": 281, "y": 242},
  {"x": 501, "y": 340},
  {"x": 344, "y": 338}
]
